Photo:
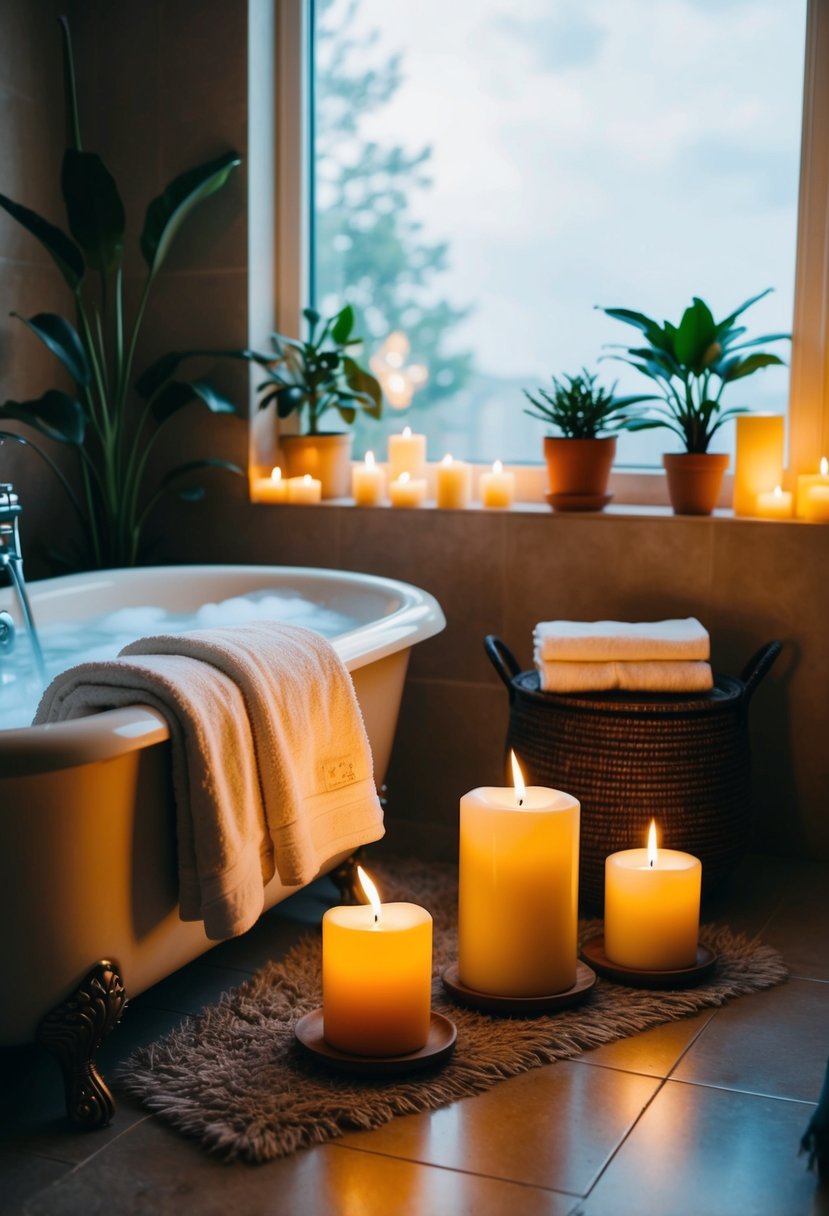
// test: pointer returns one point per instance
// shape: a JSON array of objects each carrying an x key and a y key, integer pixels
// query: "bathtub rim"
[{"x": 102, "y": 736}]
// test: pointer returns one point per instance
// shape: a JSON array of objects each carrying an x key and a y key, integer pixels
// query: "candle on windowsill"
[
  {"x": 376, "y": 976},
  {"x": 271, "y": 489},
  {"x": 651, "y": 909},
  {"x": 497, "y": 487},
  {"x": 305, "y": 489},
  {"x": 368, "y": 483},
  {"x": 407, "y": 491},
  {"x": 809, "y": 503},
  {"x": 453, "y": 483},
  {"x": 758, "y": 458},
  {"x": 774, "y": 504},
  {"x": 518, "y": 890},
  {"x": 407, "y": 454}
]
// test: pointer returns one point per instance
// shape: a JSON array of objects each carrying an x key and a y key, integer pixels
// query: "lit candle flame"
[
  {"x": 824, "y": 466},
  {"x": 778, "y": 491},
  {"x": 518, "y": 780},
  {"x": 497, "y": 466},
  {"x": 447, "y": 460},
  {"x": 276, "y": 473},
  {"x": 407, "y": 432},
  {"x": 403, "y": 478},
  {"x": 653, "y": 853},
  {"x": 371, "y": 891},
  {"x": 307, "y": 479},
  {"x": 369, "y": 460}
]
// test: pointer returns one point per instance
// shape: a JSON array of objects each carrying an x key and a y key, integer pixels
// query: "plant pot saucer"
[{"x": 578, "y": 502}]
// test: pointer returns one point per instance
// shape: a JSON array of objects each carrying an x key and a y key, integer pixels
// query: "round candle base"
[
  {"x": 489, "y": 1003},
  {"x": 438, "y": 1047},
  {"x": 683, "y": 977}
]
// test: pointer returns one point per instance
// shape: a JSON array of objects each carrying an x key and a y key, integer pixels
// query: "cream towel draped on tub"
[
  {"x": 647, "y": 656},
  {"x": 272, "y": 769}
]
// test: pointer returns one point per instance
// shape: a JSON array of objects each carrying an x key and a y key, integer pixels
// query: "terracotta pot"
[
  {"x": 694, "y": 480},
  {"x": 326, "y": 456},
  {"x": 578, "y": 472}
]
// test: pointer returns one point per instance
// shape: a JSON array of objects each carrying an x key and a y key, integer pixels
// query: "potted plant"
[
  {"x": 579, "y": 460},
  {"x": 312, "y": 377},
  {"x": 111, "y": 419},
  {"x": 690, "y": 364}
]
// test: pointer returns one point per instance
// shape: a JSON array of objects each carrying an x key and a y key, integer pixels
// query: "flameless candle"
[
  {"x": 806, "y": 483},
  {"x": 775, "y": 505},
  {"x": 651, "y": 909},
  {"x": 305, "y": 489},
  {"x": 376, "y": 976},
  {"x": 758, "y": 459},
  {"x": 518, "y": 890},
  {"x": 271, "y": 489},
  {"x": 453, "y": 483},
  {"x": 407, "y": 454},
  {"x": 368, "y": 483},
  {"x": 407, "y": 491},
  {"x": 497, "y": 487}
]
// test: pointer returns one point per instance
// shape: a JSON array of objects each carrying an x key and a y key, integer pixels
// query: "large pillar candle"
[
  {"x": 376, "y": 977},
  {"x": 651, "y": 909},
  {"x": 518, "y": 891},
  {"x": 758, "y": 460}
]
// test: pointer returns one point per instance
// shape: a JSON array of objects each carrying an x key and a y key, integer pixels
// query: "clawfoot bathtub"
[{"x": 87, "y": 842}]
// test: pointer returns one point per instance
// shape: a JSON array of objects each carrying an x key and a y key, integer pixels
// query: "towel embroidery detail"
[{"x": 338, "y": 771}]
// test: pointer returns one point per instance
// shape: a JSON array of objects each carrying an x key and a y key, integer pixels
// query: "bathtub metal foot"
[
  {"x": 345, "y": 879},
  {"x": 74, "y": 1031}
]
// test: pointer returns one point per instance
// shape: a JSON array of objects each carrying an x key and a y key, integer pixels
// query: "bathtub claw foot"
[{"x": 73, "y": 1032}]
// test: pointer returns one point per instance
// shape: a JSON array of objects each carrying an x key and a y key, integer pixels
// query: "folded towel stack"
[{"x": 643, "y": 656}]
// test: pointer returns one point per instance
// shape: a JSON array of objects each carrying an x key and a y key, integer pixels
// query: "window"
[{"x": 483, "y": 190}]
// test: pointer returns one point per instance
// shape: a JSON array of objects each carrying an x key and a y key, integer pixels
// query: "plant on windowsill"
[
  {"x": 690, "y": 364},
  {"x": 579, "y": 460},
  {"x": 311, "y": 377},
  {"x": 111, "y": 419}
]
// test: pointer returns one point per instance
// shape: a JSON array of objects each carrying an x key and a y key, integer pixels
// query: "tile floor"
[{"x": 700, "y": 1118}]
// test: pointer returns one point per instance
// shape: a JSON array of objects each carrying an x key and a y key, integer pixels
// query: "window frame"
[{"x": 808, "y": 406}]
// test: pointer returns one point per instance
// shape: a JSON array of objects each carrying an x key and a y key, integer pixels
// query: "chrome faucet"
[{"x": 11, "y": 560}]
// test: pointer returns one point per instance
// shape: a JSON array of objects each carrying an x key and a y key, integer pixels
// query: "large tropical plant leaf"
[
  {"x": 182, "y": 471},
  {"x": 169, "y": 210},
  {"x": 342, "y": 325},
  {"x": 165, "y": 367},
  {"x": 55, "y": 414},
  {"x": 73, "y": 127},
  {"x": 752, "y": 363},
  {"x": 695, "y": 335},
  {"x": 363, "y": 383},
  {"x": 66, "y": 254},
  {"x": 93, "y": 208},
  {"x": 62, "y": 340},
  {"x": 178, "y": 393}
]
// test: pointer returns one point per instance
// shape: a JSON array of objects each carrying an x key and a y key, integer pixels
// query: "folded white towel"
[
  {"x": 271, "y": 761},
  {"x": 601, "y": 641},
  {"x": 654, "y": 676}
]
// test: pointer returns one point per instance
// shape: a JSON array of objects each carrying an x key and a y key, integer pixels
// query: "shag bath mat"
[{"x": 235, "y": 1079}]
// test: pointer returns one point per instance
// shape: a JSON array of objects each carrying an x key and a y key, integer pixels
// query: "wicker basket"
[{"x": 630, "y": 757}]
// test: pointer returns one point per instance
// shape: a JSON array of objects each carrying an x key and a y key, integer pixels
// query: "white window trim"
[{"x": 808, "y": 415}]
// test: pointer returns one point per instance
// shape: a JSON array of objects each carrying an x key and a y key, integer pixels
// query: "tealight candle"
[
  {"x": 376, "y": 976},
  {"x": 368, "y": 483},
  {"x": 271, "y": 489},
  {"x": 453, "y": 483},
  {"x": 518, "y": 890},
  {"x": 497, "y": 487},
  {"x": 651, "y": 910},
  {"x": 406, "y": 491},
  {"x": 758, "y": 458},
  {"x": 305, "y": 489},
  {"x": 808, "y": 504},
  {"x": 776, "y": 504},
  {"x": 407, "y": 454}
]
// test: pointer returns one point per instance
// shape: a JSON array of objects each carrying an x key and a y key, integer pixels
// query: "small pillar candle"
[
  {"x": 807, "y": 504},
  {"x": 453, "y": 483},
  {"x": 518, "y": 890},
  {"x": 758, "y": 459},
  {"x": 775, "y": 505},
  {"x": 817, "y": 504},
  {"x": 497, "y": 487},
  {"x": 305, "y": 489},
  {"x": 368, "y": 483},
  {"x": 651, "y": 910},
  {"x": 407, "y": 454},
  {"x": 406, "y": 491},
  {"x": 271, "y": 489},
  {"x": 376, "y": 976}
]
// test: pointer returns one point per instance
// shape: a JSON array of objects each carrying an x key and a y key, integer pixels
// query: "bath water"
[{"x": 92, "y": 639}]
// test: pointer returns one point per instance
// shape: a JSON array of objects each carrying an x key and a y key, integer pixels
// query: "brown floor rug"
[{"x": 235, "y": 1079}]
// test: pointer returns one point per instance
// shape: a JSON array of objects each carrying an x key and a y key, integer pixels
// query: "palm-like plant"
[
  {"x": 690, "y": 364},
  {"x": 109, "y": 417},
  {"x": 582, "y": 409}
]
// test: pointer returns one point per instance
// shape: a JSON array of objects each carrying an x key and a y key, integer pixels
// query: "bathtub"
[{"x": 87, "y": 847}]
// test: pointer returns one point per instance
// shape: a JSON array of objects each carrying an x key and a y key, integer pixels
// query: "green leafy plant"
[
  {"x": 582, "y": 409},
  {"x": 319, "y": 374},
  {"x": 690, "y": 364},
  {"x": 111, "y": 420}
]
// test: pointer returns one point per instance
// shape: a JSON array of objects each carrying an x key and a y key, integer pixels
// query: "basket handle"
[
  {"x": 758, "y": 667},
  {"x": 503, "y": 660}
]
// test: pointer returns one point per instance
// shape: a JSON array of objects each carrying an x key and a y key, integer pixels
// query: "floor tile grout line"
[
  {"x": 748, "y": 1093},
  {"x": 77, "y": 1166},
  {"x": 663, "y": 1081}
]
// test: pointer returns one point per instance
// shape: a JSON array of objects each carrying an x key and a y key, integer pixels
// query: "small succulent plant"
[{"x": 582, "y": 409}]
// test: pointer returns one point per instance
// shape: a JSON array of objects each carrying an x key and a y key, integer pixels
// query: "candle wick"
[
  {"x": 650, "y": 863},
  {"x": 520, "y": 801},
  {"x": 376, "y": 918}
]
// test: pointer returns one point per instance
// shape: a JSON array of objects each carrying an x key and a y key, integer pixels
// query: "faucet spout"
[{"x": 11, "y": 560}]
